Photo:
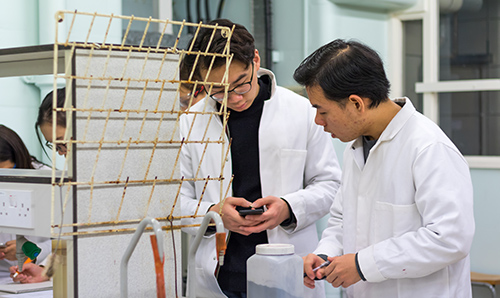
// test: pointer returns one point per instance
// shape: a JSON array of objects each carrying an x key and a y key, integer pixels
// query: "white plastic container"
[{"x": 275, "y": 271}]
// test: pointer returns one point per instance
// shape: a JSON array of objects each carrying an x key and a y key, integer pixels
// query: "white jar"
[{"x": 275, "y": 271}]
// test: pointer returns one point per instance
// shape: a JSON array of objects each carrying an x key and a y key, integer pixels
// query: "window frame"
[{"x": 427, "y": 11}]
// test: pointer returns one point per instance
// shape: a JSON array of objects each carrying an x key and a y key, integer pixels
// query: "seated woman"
[{"x": 14, "y": 154}]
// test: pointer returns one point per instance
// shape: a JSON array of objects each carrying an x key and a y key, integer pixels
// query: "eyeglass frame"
[
  {"x": 198, "y": 90},
  {"x": 232, "y": 90},
  {"x": 59, "y": 147}
]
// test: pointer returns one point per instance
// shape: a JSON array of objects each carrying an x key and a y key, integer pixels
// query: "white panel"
[
  {"x": 483, "y": 162},
  {"x": 379, "y": 4},
  {"x": 38, "y": 195},
  {"x": 459, "y": 86},
  {"x": 15, "y": 208},
  {"x": 126, "y": 154}
]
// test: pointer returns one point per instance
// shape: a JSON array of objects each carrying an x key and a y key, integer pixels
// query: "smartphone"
[
  {"x": 249, "y": 211},
  {"x": 2, "y": 245}
]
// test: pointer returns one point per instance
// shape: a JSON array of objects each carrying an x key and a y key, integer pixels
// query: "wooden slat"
[{"x": 492, "y": 279}]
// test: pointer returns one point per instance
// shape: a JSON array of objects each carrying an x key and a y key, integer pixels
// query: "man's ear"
[
  {"x": 358, "y": 102},
  {"x": 256, "y": 60}
]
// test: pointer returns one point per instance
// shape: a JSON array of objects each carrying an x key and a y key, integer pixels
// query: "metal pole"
[
  {"x": 130, "y": 249},
  {"x": 219, "y": 226}
]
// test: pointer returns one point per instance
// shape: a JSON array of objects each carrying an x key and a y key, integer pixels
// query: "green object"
[{"x": 31, "y": 250}]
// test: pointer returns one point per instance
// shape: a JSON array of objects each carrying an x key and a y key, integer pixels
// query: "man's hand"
[
  {"x": 31, "y": 273},
  {"x": 312, "y": 261},
  {"x": 342, "y": 271},
  {"x": 232, "y": 220},
  {"x": 9, "y": 252},
  {"x": 277, "y": 211}
]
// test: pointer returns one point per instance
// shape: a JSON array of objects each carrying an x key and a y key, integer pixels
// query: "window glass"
[
  {"x": 469, "y": 43},
  {"x": 155, "y": 31},
  {"x": 412, "y": 63},
  {"x": 469, "y": 50},
  {"x": 143, "y": 9},
  {"x": 472, "y": 121}
]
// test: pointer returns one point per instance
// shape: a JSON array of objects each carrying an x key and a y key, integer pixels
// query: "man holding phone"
[{"x": 279, "y": 159}]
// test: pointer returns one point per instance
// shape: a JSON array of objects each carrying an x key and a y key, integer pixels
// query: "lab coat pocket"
[
  {"x": 292, "y": 169},
  {"x": 393, "y": 220}
]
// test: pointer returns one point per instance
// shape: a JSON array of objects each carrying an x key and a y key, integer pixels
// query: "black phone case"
[{"x": 249, "y": 211}]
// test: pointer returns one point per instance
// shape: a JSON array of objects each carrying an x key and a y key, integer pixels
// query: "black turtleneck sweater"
[{"x": 244, "y": 131}]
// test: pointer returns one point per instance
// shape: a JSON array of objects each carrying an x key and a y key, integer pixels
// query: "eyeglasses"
[
  {"x": 59, "y": 147},
  {"x": 184, "y": 100},
  {"x": 240, "y": 89},
  {"x": 198, "y": 90}
]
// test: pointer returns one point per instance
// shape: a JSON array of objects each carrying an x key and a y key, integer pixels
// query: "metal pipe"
[
  {"x": 207, "y": 10},
  {"x": 130, "y": 249},
  {"x": 219, "y": 226},
  {"x": 268, "y": 33},
  {"x": 221, "y": 7}
]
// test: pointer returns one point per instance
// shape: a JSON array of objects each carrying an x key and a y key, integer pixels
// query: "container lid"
[{"x": 274, "y": 249}]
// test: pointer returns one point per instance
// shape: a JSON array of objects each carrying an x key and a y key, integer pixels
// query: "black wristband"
[
  {"x": 359, "y": 269},
  {"x": 292, "y": 219}
]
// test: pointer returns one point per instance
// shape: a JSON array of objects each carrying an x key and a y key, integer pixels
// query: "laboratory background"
[{"x": 443, "y": 54}]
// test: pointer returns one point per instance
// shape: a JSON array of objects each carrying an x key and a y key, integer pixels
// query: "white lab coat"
[
  {"x": 407, "y": 212},
  {"x": 297, "y": 162}
]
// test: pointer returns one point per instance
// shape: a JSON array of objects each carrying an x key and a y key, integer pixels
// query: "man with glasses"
[{"x": 279, "y": 159}]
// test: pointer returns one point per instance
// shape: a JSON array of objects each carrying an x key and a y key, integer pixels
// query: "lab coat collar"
[
  {"x": 399, "y": 120},
  {"x": 389, "y": 132},
  {"x": 395, "y": 125},
  {"x": 266, "y": 72}
]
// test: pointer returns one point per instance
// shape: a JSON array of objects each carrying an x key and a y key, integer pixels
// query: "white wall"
[
  {"x": 302, "y": 26},
  {"x": 28, "y": 23},
  {"x": 19, "y": 101}
]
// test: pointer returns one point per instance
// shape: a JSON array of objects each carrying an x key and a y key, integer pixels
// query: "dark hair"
[
  {"x": 45, "y": 112},
  {"x": 12, "y": 148},
  {"x": 242, "y": 44},
  {"x": 186, "y": 68},
  {"x": 342, "y": 68},
  {"x": 188, "y": 72}
]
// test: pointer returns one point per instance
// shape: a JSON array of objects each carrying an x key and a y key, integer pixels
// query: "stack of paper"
[{"x": 17, "y": 288}]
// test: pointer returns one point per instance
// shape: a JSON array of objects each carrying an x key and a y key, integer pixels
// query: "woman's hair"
[
  {"x": 45, "y": 110},
  {"x": 45, "y": 113},
  {"x": 12, "y": 148}
]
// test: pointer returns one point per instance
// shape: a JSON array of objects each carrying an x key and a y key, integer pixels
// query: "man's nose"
[{"x": 319, "y": 120}]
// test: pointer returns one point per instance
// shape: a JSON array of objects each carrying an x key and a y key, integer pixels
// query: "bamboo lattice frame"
[{"x": 84, "y": 110}]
